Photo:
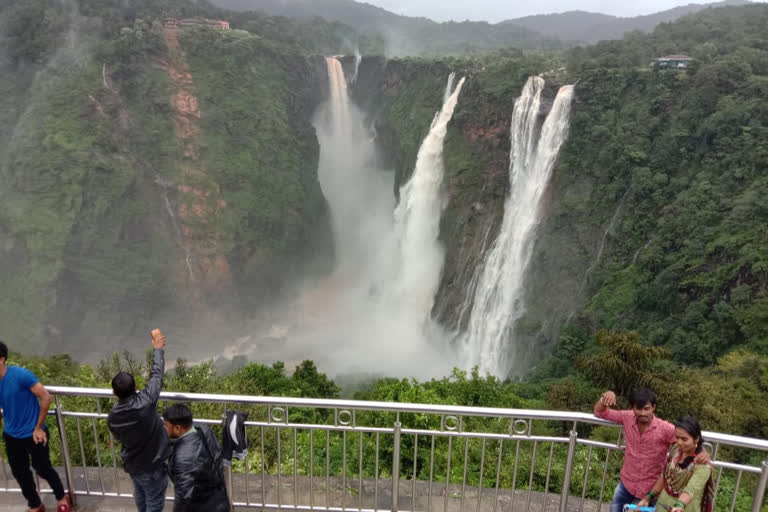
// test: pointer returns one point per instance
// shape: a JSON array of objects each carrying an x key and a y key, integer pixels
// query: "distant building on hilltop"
[
  {"x": 176, "y": 23},
  {"x": 674, "y": 62}
]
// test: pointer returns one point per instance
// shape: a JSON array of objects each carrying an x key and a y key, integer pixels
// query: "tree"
[{"x": 624, "y": 364}]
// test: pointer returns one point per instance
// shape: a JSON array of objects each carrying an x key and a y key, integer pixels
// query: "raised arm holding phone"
[{"x": 135, "y": 423}]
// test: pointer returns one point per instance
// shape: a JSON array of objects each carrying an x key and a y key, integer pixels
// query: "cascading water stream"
[
  {"x": 373, "y": 313},
  {"x": 417, "y": 217},
  {"x": 358, "y": 60},
  {"x": 164, "y": 186},
  {"x": 359, "y": 195},
  {"x": 498, "y": 299}
]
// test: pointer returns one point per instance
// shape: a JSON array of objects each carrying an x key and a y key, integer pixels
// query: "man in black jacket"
[
  {"x": 135, "y": 423},
  {"x": 194, "y": 464}
]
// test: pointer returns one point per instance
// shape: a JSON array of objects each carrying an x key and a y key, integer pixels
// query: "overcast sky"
[{"x": 497, "y": 10}]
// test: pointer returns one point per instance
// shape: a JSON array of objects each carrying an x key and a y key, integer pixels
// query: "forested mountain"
[
  {"x": 589, "y": 27},
  {"x": 405, "y": 35},
  {"x": 402, "y": 35}
]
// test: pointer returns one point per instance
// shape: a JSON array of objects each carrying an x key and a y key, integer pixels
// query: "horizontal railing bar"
[
  {"x": 76, "y": 414},
  {"x": 484, "y": 435},
  {"x": 736, "y": 467},
  {"x": 727, "y": 439},
  {"x": 111, "y": 495},
  {"x": 320, "y": 508},
  {"x": 349, "y": 404},
  {"x": 598, "y": 444}
]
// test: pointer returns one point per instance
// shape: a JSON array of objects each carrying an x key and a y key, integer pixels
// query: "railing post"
[
  {"x": 568, "y": 470},
  {"x": 396, "y": 466},
  {"x": 230, "y": 489},
  {"x": 65, "y": 450},
  {"x": 757, "y": 501}
]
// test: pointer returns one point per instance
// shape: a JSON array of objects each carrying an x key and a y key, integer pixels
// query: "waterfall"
[
  {"x": 417, "y": 217},
  {"x": 373, "y": 312},
  {"x": 358, "y": 60},
  {"x": 358, "y": 193},
  {"x": 498, "y": 300},
  {"x": 448, "y": 91},
  {"x": 164, "y": 186},
  {"x": 601, "y": 248}
]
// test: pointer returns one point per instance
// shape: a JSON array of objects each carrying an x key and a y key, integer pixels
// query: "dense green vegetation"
[{"x": 687, "y": 266}]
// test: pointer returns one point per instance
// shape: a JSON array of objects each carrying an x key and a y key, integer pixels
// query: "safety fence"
[{"x": 360, "y": 456}]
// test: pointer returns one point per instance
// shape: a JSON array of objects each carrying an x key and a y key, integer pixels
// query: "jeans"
[
  {"x": 622, "y": 497},
  {"x": 19, "y": 452},
  {"x": 149, "y": 489}
]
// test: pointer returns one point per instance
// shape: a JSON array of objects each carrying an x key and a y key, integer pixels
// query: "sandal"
[{"x": 64, "y": 507}]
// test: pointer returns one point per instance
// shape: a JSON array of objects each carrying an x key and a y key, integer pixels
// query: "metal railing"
[{"x": 359, "y": 456}]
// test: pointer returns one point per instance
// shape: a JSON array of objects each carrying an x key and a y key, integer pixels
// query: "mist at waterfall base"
[{"x": 371, "y": 315}]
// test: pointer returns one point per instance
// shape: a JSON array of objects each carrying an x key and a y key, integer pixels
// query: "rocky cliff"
[{"x": 158, "y": 173}]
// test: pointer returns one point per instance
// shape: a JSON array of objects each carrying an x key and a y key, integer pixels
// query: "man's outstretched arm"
[{"x": 157, "y": 372}]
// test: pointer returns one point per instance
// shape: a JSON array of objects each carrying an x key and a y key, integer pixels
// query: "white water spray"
[
  {"x": 373, "y": 313},
  {"x": 359, "y": 195},
  {"x": 417, "y": 217},
  {"x": 498, "y": 300},
  {"x": 358, "y": 60}
]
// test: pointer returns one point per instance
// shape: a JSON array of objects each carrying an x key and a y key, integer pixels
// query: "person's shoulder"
[
  {"x": 22, "y": 374},
  {"x": 665, "y": 425},
  {"x": 702, "y": 471}
]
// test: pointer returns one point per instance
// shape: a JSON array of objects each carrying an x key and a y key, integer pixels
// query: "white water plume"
[
  {"x": 359, "y": 195},
  {"x": 358, "y": 60},
  {"x": 372, "y": 315},
  {"x": 417, "y": 217},
  {"x": 498, "y": 300}
]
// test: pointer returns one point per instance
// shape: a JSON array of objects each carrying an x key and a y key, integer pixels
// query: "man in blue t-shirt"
[{"x": 24, "y": 402}]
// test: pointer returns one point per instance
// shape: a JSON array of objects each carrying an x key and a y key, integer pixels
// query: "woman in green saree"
[{"x": 684, "y": 486}]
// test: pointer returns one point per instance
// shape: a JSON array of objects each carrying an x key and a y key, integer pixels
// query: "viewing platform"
[{"x": 341, "y": 455}]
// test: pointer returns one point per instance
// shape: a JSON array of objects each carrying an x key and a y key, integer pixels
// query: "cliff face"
[{"x": 156, "y": 174}]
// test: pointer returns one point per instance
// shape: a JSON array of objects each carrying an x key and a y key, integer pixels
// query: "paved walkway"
[{"x": 410, "y": 497}]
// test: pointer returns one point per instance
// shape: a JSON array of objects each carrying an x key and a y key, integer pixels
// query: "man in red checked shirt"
[{"x": 648, "y": 439}]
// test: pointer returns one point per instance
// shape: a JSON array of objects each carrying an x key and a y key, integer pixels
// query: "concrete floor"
[{"x": 371, "y": 494}]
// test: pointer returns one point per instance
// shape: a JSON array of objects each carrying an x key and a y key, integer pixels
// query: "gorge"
[{"x": 264, "y": 202}]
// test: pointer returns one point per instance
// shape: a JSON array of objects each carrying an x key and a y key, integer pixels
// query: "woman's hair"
[{"x": 691, "y": 425}]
